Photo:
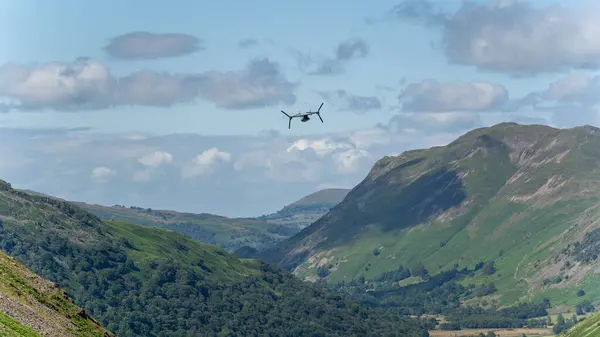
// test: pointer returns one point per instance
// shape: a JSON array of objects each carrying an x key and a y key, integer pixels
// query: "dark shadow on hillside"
[
  {"x": 365, "y": 186},
  {"x": 399, "y": 206}
]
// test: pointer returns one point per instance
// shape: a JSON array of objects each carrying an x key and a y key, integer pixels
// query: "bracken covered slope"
[
  {"x": 144, "y": 281},
  {"x": 521, "y": 196},
  {"x": 32, "y": 306}
]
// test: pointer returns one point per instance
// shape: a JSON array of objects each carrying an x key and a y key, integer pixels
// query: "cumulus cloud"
[
  {"x": 89, "y": 85},
  {"x": 431, "y": 96},
  {"x": 260, "y": 84},
  {"x": 572, "y": 100},
  {"x": 349, "y": 161},
  {"x": 350, "y": 102},
  {"x": 228, "y": 175},
  {"x": 156, "y": 158},
  {"x": 81, "y": 84},
  {"x": 205, "y": 162},
  {"x": 353, "y": 48},
  {"x": 513, "y": 36},
  {"x": 102, "y": 174},
  {"x": 148, "y": 45},
  {"x": 436, "y": 122}
]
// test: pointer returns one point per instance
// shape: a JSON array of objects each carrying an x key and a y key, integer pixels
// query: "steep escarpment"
[{"x": 517, "y": 195}]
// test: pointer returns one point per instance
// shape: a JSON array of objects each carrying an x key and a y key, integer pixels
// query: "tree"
[
  {"x": 489, "y": 268},
  {"x": 580, "y": 292},
  {"x": 491, "y": 334},
  {"x": 560, "y": 319}
]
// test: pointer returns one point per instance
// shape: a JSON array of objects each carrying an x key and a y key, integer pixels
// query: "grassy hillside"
[
  {"x": 590, "y": 327},
  {"x": 229, "y": 234},
  {"x": 328, "y": 196},
  {"x": 144, "y": 281},
  {"x": 517, "y": 198},
  {"x": 33, "y": 307},
  {"x": 301, "y": 213}
]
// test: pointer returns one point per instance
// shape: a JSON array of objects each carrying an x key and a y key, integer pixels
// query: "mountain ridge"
[{"x": 450, "y": 204}]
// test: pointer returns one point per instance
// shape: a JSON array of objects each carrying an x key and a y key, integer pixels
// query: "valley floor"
[{"x": 499, "y": 332}]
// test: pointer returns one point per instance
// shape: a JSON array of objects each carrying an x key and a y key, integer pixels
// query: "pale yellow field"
[{"x": 499, "y": 332}]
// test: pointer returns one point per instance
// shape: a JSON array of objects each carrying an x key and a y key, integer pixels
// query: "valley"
[
  {"x": 497, "y": 231},
  {"x": 230, "y": 234},
  {"x": 145, "y": 281}
]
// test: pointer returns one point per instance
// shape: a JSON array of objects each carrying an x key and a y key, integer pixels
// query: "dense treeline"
[
  {"x": 138, "y": 290},
  {"x": 441, "y": 294}
]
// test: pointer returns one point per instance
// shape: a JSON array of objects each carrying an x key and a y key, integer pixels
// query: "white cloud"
[
  {"x": 156, "y": 158},
  {"x": 205, "y": 162},
  {"x": 102, "y": 174},
  {"x": 431, "y": 96},
  {"x": 234, "y": 176},
  {"x": 514, "y": 36},
  {"x": 348, "y": 161},
  {"x": 322, "y": 147},
  {"x": 89, "y": 85}
]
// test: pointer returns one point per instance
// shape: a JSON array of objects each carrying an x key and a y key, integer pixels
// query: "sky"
[{"x": 177, "y": 107}]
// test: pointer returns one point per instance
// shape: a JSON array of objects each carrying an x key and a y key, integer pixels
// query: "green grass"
[
  {"x": 151, "y": 244},
  {"x": 590, "y": 327},
  {"x": 228, "y": 233},
  {"x": 9, "y": 327},
  {"x": 49, "y": 303}
]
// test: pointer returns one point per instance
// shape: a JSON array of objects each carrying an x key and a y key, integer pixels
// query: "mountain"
[
  {"x": 33, "y": 307},
  {"x": 519, "y": 205},
  {"x": 145, "y": 281},
  {"x": 229, "y": 234},
  {"x": 307, "y": 210}
]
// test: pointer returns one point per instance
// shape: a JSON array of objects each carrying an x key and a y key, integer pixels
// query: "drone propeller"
[
  {"x": 290, "y": 117},
  {"x": 318, "y": 112}
]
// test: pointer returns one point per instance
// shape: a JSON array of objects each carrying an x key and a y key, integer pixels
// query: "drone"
[{"x": 304, "y": 116}]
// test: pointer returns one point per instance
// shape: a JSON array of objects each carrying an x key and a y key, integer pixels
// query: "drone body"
[{"x": 304, "y": 116}]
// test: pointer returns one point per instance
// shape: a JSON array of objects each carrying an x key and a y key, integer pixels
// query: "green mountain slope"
[
  {"x": 229, "y": 234},
  {"x": 519, "y": 198},
  {"x": 33, "y": 307},
  {"x": 590, "y": 327},
  {"x": 144, "y": 281}
]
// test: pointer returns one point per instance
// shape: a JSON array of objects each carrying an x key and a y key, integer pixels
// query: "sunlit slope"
[
  {"x": 517, "y": 195},
  {"x": 227, "y": 233},
  {"x": 32, "y": 306},
  {"x": 590, "y": 327}
]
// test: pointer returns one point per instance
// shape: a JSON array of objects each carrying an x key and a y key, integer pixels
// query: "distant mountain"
[
  {"x": 521, "y": 201},
  {"x": 31, "y": 306},
  {"x": 230, "y": 234},
  {"x": 307, "y": 210},
  {"x": 227, "y": 233},
  {"x": 144, "y": 281}
]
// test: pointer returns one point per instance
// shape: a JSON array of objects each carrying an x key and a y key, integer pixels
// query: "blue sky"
[{"x": 408, "y": 74}]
